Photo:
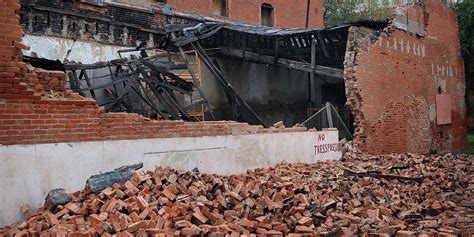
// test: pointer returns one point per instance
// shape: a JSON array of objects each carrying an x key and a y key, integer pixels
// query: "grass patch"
[{"x": 470, "y": 144}]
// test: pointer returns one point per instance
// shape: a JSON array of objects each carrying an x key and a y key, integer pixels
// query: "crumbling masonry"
[
  {"x": 31, "y": 112},
  {"x": 393, "y": 78},
  {"x": 404, "y": 85}
]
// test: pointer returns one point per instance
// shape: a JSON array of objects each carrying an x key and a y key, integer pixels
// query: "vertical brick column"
[
  {"x": 10, "y": 31},
  {"x": 15, "y": 80}
]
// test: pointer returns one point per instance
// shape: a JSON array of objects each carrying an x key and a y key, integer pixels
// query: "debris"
[
  {"x": 286, "y": 200},
  {"x": 149, "y": 79},
  {"x": 279, "y": 124},
  {"x": 57, "y": 197},
  {"x": 26, "y": 210},
  {"x": 348, "y": 172},
  {"x": 100, "y": 182}
]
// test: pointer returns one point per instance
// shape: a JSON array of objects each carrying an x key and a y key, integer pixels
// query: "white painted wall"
[
  {"x": 81, "y": 51},
  {"x": 29, "y": 172}
]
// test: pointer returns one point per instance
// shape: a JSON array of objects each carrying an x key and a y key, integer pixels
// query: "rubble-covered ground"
[{"x": 390, "y": 195}]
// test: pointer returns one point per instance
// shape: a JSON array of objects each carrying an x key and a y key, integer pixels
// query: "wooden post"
[
  {"x": 316, "y": 96},
  {"x": 244, "y": 45},
  {"x": 195, "y": 81},
  {"x": 89, "y": 84}
]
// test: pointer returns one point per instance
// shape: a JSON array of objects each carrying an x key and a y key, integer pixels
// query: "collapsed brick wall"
[
  {"x": 392, "y": 79},
  {"x": 287, "y": 14},
  {"x": 36, "y": 108}
]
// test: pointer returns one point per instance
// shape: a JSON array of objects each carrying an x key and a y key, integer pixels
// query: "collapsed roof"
[{"x": 319, "y": 52}]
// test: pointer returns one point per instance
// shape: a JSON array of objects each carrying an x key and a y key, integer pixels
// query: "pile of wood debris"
[{"x": 403, "y": 195}]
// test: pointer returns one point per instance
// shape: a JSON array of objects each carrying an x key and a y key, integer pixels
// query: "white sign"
[{"x": 327, "y": 145}]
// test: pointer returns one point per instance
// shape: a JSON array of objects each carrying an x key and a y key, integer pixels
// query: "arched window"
[
  {"x": 219, "y": 7},
  {"x": 267, "y": 14}
]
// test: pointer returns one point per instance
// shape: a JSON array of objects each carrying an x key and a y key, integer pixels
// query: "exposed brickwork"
[
  {"x": 287, "y": 14},
  {"x": 49, "y": 80},
  {"x": 392, "y": 79},
  {"x": 35, "y": 107}
]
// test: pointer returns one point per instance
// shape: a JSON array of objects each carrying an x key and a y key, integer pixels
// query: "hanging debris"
[
  {"x": 150, "y": 82},
  {"x": 150, "y": 79}
]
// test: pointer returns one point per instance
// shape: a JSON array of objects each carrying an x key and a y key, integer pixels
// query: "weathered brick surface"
[
  {"x": 392, "y": 80},
  {"x": 287, "y": 14},
  {"x": 36, "y": 108}
]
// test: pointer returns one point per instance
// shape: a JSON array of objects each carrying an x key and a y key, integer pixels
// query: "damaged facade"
[
  {"x": 402, "y": 80},
  {"x": 111, "y": 24},
  {"x": 394, "y": 74},
  {"x": 79, "y": 138},
  {"x": 63, "y": 30},
  {"x": 399, "y": 80},
  {"x": 126, "y": 24}
]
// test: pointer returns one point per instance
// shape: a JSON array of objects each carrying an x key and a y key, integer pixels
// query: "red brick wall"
[
  {"x": 36, "y": 108},
  {"x": 287, "y": 14},
  {"x": 392, "y": 90}
]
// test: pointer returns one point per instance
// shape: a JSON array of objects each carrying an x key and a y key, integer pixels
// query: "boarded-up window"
[
  {"x": 219, "y": 7},
  {"x": 267, "y": 14},
  {"x": 443, "y": 109}
]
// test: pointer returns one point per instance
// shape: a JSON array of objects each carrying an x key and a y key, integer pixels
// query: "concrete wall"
[
  {"x": 81, "y": 51},
  {"x": 29, "y": 172}
]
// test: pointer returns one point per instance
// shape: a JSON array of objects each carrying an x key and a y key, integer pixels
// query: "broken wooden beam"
[
  {"x": 348, "y": 172},
  {"x": 306, "y": 67}
]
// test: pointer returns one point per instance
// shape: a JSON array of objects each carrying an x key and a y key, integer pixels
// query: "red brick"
[
  {"x": 249, "y": 11},
  {"x": 395, "y": 90},
  {"x": 20, "y": 45},
  {"x": 6, "y": 85}
]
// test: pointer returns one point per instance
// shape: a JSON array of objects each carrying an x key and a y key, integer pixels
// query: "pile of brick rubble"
[{"x": 402, "y": 195}]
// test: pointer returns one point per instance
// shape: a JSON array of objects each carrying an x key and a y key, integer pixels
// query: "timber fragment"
[{"x": 100, "y": 182}]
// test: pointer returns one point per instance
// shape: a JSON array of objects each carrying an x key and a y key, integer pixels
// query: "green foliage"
[
  {"x": 465, "y": 12},
  {"x": 337, "y": 12},
  {"x": 470, "y": 144}
]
